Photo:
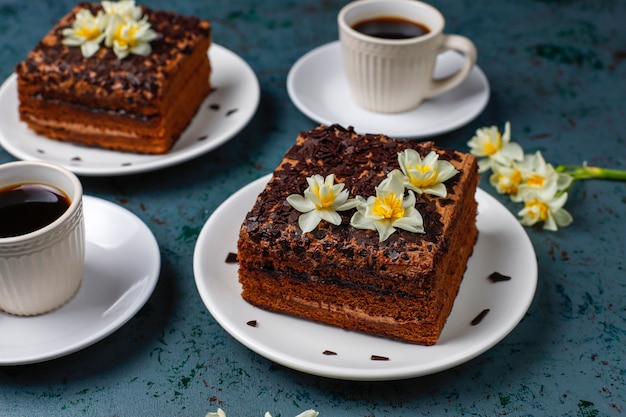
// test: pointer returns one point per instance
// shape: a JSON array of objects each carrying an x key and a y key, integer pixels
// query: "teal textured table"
[{"x": 557, "y": 72}]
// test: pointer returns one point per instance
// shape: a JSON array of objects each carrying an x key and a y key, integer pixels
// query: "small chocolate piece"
[
  {"x": 251, "y": 323},
  {"x": 329, "y": 352},
  {"x": 498, "y": 277},
  {"x": 479, "y": 317},
  {"x": 231, "y": 258},
  {"x": 379, "y": 358}
]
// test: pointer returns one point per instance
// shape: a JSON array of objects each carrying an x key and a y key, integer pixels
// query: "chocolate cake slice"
[
  {"x": 402, "y": 287},
  {"x": 137, "y": 104}
]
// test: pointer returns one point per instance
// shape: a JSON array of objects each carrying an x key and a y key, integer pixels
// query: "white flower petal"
[
  {"x": 308, "y": 413},
  {"x": 300, "y": 203},
  {"x": 384, "y": 228},
  {"x": 309, "y": 221},
  {"x": 331, "y": 216}
]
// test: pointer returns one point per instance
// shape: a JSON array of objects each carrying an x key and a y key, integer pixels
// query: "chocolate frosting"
[{"x": 53, "y": 65}]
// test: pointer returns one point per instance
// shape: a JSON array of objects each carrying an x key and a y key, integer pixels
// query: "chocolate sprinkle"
[
  {"x": 479, "y": 317},
  {"x": 329, "y": 352},
  {"x": 251, "y": 323},
  {"x": 231, "y": 258},
  {"x": 498, "y": 277},
  {"x": 379, "y": 358}
]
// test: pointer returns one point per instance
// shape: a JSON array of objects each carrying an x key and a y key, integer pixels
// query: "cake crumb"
[
  {"x": 231, "y": 258},
  {"x": 251, "y": 323},
  {"x": 498, "y": 277},
  {"x": 329, "y": 352},
  {"x": 379, "y": 358},
  {"x": 479, "y": 317}
]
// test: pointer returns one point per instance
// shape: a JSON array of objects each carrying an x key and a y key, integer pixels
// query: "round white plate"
[
  {"x": 503, "y": 246},
  {"x": 225, "y": 111},
  {"x": 122, "y": 264},
  {"x": 318, "y": 87}
]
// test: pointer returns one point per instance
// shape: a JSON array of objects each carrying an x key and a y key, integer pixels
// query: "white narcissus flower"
[
  {"x": 425, "y": 175},
  {"x": 550, "y": 212},
  {"x": 127, "y": 36},
  {"x": 123, "y": 8},
  {"x": 506, "y": 179},
  {"x": 494, "y": 147},
  {"x": 307, "y": 413},
  {"x": 219, "y": 413},
  {"x": 88, "y": 31},
  {"x": 321, "y": 201},
  {"x": 389, "y": 209},
  {"x": 539, "y": 178}
]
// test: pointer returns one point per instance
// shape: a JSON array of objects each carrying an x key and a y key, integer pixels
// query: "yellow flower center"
[
  {"x": 89, "y": 32},
  {"x": 124, "y": 41},
  {"x": 509, "y": 184},
  {"x": 491, "y": 148},
  {"x": 423, "y": 181},
  {"x": 388, "y": 207},
  {"x": 538, "y": 208},
  {"x": 536, "y": 181},
  {"x": 326, "y": 198}
]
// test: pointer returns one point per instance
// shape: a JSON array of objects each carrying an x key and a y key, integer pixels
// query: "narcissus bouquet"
[{"x": 529, "y": 179}]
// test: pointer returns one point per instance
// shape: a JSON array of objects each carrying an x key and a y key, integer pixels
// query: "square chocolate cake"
[
  {"x": 135, "y": 103},
  {"x": 398, "y": 283}
]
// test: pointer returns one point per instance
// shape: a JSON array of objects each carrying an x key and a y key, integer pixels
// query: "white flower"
[
  {"x": 425, "y": 175},
  {"x": 539, "y": 178},
  {"x": 494, "y": 147},
  {"x": 506, "y": 179},
  {"x": 307, "y": 413},
  {"x": 219, "y": 413},
  {"x": 123, "y": 8},
  {"x": 87, "y": 32},
  {"x": 549, "y": 211},
  {"x": 127, "y": 36},
  {"x": 388, "y": 209},
  {"x": 321, "y": 201}
]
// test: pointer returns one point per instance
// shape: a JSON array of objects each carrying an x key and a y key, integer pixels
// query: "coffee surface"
[
  {"x": 25, "y": 208},
  {"x": 391, "y": 28}
]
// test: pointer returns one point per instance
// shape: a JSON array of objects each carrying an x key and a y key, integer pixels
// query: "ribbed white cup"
[
  {"x": 396, "y": 75},
  {"x": 42, "y": 270}
]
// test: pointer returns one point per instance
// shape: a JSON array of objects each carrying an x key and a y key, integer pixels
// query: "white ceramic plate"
[
  {"x": 225, "y": 111},
  {"x": 318, "y": 87},
  {"x": 503, "y": 246},
  {"x": 122, "y": 265}
]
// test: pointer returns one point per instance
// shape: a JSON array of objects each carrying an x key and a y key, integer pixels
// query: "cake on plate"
[
  {"x": 363, "y": 232},
  {"x": 117, "y": 76}
]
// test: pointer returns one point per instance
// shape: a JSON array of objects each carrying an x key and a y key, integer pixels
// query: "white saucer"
[
  {"x": 503, "y": 246},
  {"x": 318, "y": 87},
  {"x": 122, "y": 265},
  {"x": 223, "y": 114}
]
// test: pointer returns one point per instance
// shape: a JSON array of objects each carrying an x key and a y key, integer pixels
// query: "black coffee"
[
  {"x": 25, "y": 208},
  {"x": 391, "y": 28}
]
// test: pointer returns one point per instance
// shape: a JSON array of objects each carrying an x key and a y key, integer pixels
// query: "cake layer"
[
  {"x": 116, "y": 130},
  {"x": 403, "y": 287}
]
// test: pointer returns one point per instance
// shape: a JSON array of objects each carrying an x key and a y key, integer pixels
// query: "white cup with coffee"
[
  {"x": 42, "y": 237},
  {"x": 389, "y": 49}
]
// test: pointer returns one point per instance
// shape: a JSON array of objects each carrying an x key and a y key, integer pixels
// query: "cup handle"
[{"x": 468, "y": 49}]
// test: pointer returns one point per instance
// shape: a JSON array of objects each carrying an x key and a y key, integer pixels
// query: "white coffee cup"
[
  {"x": 42, "y": 269},
  {"x": 396, "y": 75}
]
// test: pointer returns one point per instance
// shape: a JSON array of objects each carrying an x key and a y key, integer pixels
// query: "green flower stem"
[{"x": 586, "y": 172}]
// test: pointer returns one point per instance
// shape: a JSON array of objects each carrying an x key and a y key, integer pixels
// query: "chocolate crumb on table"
[
  {"x": 251, "y": 323},
  {"x": 329, "y": 352},
  {"x": 231, "y": 258}
]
